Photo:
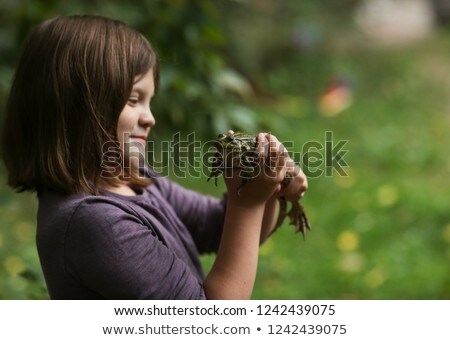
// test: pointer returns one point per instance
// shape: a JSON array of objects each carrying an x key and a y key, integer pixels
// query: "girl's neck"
[{"x": 122, "y": 188}]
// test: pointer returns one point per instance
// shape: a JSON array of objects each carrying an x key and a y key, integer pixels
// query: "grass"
[{"x": 383, "y": 232}]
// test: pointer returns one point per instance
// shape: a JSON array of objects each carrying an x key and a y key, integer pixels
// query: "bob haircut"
[{"x": 73, "y": 79}]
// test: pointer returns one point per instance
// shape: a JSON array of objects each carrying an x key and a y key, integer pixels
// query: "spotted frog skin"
[{"x": 238, "y": 150}]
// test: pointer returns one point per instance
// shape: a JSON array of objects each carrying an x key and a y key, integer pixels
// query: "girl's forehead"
[
  {"x": 140, "y": 77},
  {"x": 144, "y": 82}
]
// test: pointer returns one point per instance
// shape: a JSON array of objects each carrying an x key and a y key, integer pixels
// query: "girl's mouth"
[{"x": 140, "y": 139}]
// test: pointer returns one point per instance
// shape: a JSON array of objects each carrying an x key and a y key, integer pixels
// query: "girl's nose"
[{"x": 147, "y": 118}]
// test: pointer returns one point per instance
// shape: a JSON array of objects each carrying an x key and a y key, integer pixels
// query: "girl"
[{"x": 108, "y": 227}]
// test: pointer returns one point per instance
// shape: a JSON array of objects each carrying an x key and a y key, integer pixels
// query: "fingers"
[
  {"x": 261, "y": 145},
  {"x": 292, "y": 168},
  {"x": 304, "y": 185},
  {"x": 296, "y": 187},
  {"x": 302, "y": 180},
  {"x": 275, "y": 163},
  {"x": 275, "y": 156},
  {"x": 280, "y": 165}
]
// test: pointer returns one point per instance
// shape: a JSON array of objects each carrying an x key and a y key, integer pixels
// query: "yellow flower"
[
  {"x": 23, "y": 231},
  {"x": 346, "y": 181},
  {"x": 375, "y": 277},
  {"x": 387, "y": 195},
  {"x": 347, "y": 241},
  {"x": 14, "y": 265},
  {"x": 351, "y": 262}
]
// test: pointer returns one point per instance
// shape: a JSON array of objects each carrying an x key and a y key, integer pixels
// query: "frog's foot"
[{"x": 299, "y": 219}]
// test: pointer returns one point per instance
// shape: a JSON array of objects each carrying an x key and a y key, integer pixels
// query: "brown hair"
[{"x": 74, "y": 77}]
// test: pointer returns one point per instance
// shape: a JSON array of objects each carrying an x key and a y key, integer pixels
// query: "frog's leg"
[
  {"x": 299, "y": 219},
  {"x": 217, "y": 167}
]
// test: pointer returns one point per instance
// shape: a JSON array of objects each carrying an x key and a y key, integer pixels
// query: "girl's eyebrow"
[{"x": 142, "y": 90}]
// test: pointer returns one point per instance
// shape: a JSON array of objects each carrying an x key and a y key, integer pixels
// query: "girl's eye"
[{"x": 133, "y": 101}]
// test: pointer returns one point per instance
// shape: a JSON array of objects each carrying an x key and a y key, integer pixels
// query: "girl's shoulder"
[
  {"x": 59, "y": 210},
  {"x": 50, "y": 201}
]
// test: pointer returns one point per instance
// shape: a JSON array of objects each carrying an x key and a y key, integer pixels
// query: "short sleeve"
[
  {"x": 203, "y": 215},
  {"x": 113, "y": 253}
]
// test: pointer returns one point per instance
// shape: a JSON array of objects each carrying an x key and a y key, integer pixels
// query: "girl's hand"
[
  {"x": 272, "y": 171},
  {"x": 296, "y": 188}
]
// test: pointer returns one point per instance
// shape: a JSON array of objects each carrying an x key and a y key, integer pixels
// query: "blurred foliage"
[
  {"x": 201, "y": 91},
  {"x": 298, "y": 69}
]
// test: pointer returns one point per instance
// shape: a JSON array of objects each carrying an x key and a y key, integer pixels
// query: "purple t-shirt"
[{"x": 128, "y": 247}]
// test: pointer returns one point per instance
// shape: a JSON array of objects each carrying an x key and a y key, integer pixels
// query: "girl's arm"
[
  {"x": 292, "y": 192},
  {"x": 233, "y": 273},
  {"x": 271, "y": 212}
]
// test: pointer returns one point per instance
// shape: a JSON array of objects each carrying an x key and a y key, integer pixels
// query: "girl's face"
[{"x": 136, "y": 118}]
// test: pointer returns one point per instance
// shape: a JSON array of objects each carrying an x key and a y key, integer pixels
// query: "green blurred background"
[{"x": 375, "y": 73}]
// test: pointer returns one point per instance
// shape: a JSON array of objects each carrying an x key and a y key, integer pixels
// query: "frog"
[{"x": 238, "y": 150}]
